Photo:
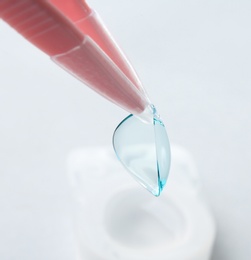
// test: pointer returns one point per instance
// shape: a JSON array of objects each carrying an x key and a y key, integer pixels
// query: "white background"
[{"x": 194, "y": 58}]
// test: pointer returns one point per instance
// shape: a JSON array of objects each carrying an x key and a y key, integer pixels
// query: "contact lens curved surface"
[{"x": 144, "y": 150}]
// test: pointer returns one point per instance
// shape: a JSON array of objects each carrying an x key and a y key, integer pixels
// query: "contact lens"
[{"x": 144, "y": 150}]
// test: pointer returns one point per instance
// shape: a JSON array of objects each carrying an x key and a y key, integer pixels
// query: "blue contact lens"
[{"x": 144, "y": 149}]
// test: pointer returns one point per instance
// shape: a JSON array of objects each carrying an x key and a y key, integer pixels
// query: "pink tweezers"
[{"x": 71, "y": 33}]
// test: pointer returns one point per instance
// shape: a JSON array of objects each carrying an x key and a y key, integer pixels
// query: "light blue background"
[{"x": 193, "y": 57}]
